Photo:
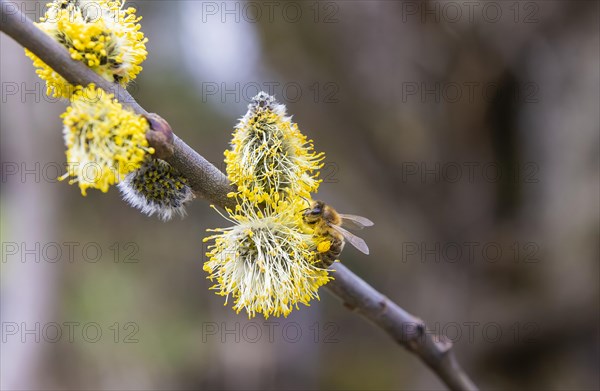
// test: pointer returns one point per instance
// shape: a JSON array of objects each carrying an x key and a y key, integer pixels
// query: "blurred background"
[{"x": 467, "y": 131}]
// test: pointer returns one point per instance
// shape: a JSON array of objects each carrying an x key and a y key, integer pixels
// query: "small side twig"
[{"x": 210, "y": 183}]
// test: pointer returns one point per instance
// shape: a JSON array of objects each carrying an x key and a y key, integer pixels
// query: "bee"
[{"x": 327, "y": 222}]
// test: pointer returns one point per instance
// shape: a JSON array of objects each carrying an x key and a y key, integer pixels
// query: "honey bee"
[{"x": 327, "y": 222}]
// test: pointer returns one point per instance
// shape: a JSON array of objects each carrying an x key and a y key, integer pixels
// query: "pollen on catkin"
[
  {"x": 265, "y": 264},
  {"x": 157, "y": 188},
  {"x": 270, "y": 159},
  {"x": 267, "y": 261},
  {"x": 104, "y": 141},
  {"x": 102, "y": 34}
]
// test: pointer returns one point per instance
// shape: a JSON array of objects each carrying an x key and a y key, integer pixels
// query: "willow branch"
[{"x": 207, "y": 181}]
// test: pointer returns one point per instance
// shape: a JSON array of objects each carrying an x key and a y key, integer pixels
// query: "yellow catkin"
[
  {"x": 104, "y": 141},
  {"x": 102, "y": 34},
  {"x": 264, "y": 265}
]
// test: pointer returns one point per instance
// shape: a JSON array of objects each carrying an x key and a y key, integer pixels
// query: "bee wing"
[
  {"x": 353, "y": 239},
  {"x": 355, "y": 222}
]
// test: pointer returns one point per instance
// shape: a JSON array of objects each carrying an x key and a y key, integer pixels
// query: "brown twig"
[{"x": 212, "y": 184}]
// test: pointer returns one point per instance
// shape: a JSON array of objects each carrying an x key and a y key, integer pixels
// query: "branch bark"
[{"x": 208, "y": 182}]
